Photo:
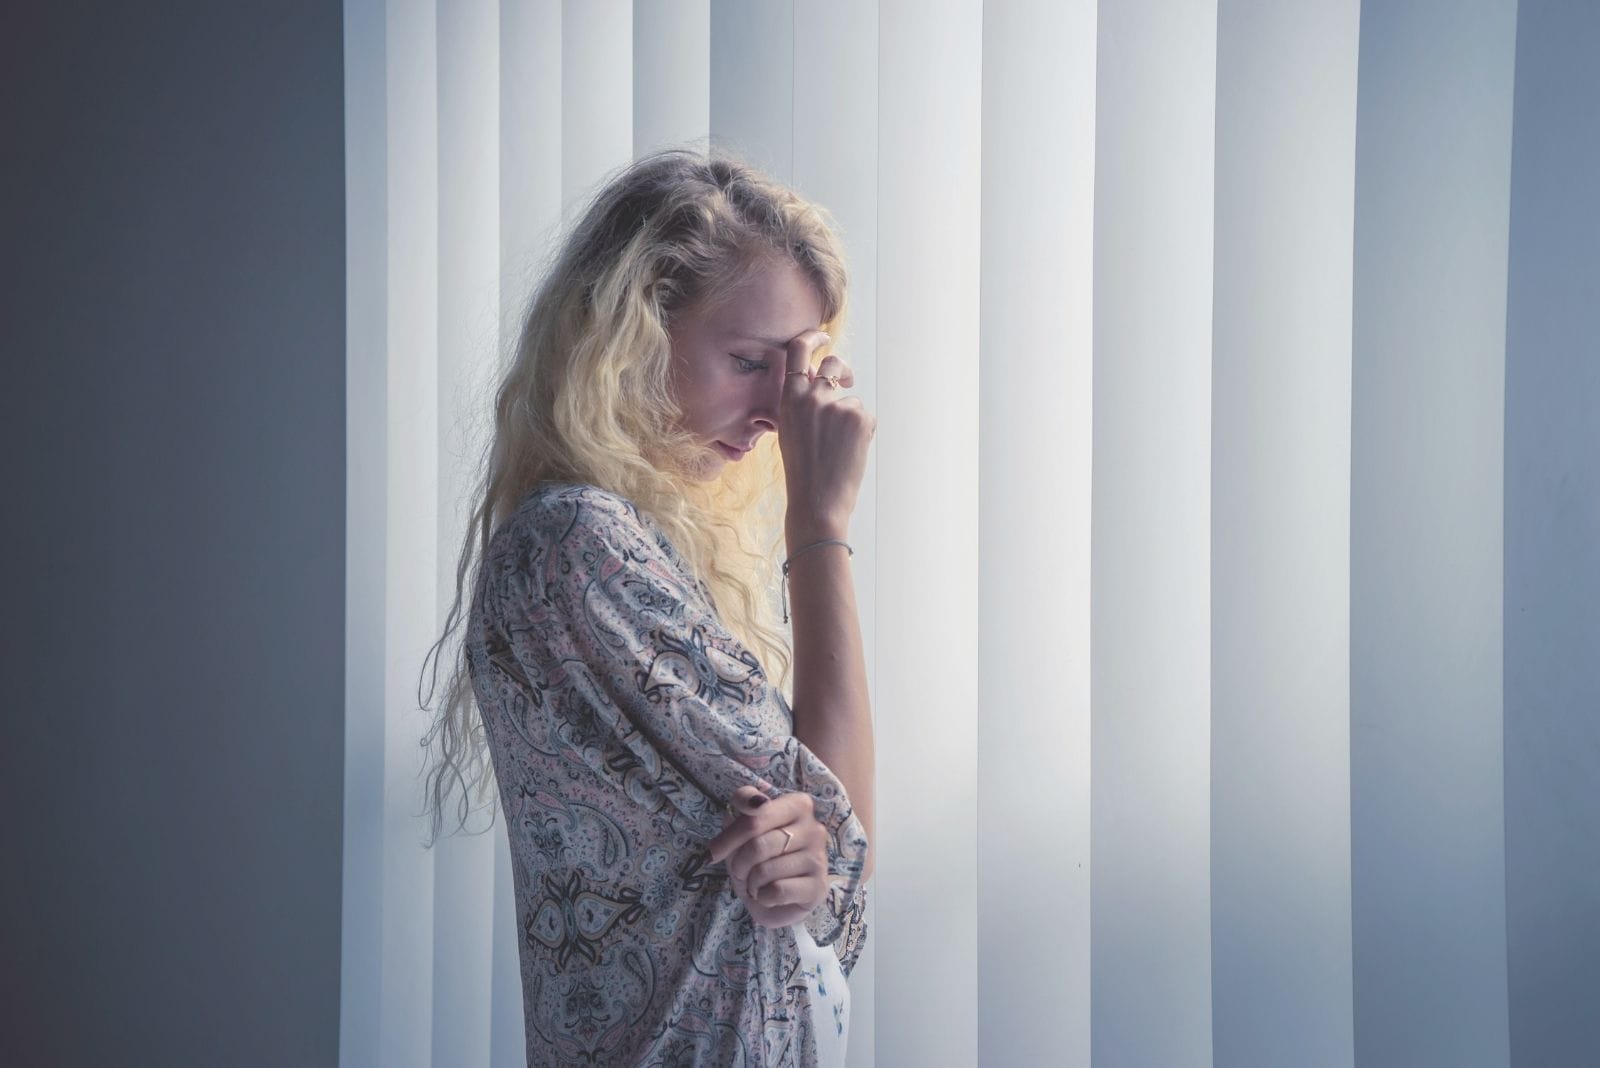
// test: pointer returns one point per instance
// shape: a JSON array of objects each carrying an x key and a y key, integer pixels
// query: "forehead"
[{"x": 770, "y": 306}]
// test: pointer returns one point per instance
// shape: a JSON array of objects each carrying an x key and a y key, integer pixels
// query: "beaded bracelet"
[{"x": 813, "y": 545}]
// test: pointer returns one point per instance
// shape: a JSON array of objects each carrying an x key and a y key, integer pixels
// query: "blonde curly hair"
[{"x": 587, "y": 400}]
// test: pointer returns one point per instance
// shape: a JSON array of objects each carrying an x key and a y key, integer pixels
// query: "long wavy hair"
[{"x": 587, "y": 399}]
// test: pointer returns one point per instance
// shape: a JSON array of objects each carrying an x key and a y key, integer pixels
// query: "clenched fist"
[{"x": 780, "y": 877}]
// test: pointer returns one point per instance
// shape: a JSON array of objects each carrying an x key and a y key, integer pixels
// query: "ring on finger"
[{"x": 832, "y": 380}]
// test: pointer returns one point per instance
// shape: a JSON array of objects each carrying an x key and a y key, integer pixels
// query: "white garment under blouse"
[{"x": 830, "y": 998}]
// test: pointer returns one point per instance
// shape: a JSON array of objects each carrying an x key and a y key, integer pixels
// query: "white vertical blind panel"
[
  {"x": 1151, "y": 611},
  {"x": 469, "y": 269},
  {"x": 596, "y": 95},
  {"x": 1432, "y": 206},
  {"x": 507, "y": 1027},
  {"x": 411, "y": 547},
  {"x": 929, "y": 86},
  {"x": 530, "y": 214},
  {"x": 530, "y": 152},
  {"x": 671, "y": 73},
  {"x": 752, "y": 82},
  {"x": 836, "y": 164},
  {"x": 1552, "y": 611},
  {"x": 366, "y": 376},
  {"x": 1280, "y": 690},
  {"x": 1034, "y": 489}
]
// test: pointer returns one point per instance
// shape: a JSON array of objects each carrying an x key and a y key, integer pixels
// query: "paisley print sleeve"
[
  {"x": 650, "y": 690},
  {"x": 854, "y": 938}
]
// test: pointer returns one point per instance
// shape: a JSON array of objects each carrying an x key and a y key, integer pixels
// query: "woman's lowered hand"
[{"x": 780, "y": 878}]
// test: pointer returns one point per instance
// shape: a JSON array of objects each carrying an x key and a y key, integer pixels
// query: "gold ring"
[{"x": 787, "y": 840}]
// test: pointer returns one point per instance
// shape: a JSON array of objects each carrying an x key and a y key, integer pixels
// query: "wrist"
[{"x": 799, "y": 535}]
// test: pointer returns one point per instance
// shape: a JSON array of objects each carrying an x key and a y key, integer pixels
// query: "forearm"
[{"x": 832, "y": 704}]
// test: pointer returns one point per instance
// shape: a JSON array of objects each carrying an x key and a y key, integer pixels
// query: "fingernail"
[{"x": 758, "y": 800}]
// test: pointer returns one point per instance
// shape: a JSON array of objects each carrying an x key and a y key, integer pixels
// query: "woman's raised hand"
[
  {"x": 823, "y": 435},
  {"x": 778, "y": 887}
]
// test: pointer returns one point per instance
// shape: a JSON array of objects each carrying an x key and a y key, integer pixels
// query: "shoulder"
[
  {"x": 576, "y": 528},
  {"x": 582, "y": 520},
  {"x": 562, "y": 508}
]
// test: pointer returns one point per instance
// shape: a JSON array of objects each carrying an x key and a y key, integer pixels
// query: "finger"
[
  {"x": 735, "y": 836},
  {"x": 746, "y": 801},
  {"x": 780, "y": 916},
  {"x": 800, "y": 350},
  {"x": 793, "y": 840},
  {"x": 783, "y": 891},
  {"x": 833, "y": 365},
  {"x": 762, "y": 814},
  {"x": 756, "y": 850},
  {"x": 786, "y": 866},
  {"x": 790, "y": 810}
]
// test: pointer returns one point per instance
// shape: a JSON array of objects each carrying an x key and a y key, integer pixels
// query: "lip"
[{"x": 730, "y": 452}]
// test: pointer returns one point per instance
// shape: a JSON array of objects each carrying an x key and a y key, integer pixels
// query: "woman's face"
[{"x": 728, "y": 363}]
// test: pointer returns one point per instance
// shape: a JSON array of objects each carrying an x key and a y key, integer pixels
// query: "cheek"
[
  {"x": 704, "y": 404},
  {"x": 685, "y": 387},
  {"x": 744, "y": 394}
]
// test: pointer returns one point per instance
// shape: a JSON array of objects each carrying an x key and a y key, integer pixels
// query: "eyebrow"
[{"x": 769, "y": 342}]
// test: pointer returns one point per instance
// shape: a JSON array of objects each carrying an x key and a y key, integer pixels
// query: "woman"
[{"x": 690, "y": 855}]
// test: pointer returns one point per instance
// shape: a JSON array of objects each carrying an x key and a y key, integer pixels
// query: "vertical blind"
[{"x": 1226, "y": 557}]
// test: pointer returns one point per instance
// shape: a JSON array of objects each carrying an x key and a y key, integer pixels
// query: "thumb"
[{"x": 747, "y": 799}]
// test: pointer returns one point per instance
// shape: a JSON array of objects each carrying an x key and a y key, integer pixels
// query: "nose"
[
  {"x": 765, "y": 415},
  {"x": 763, "y": 424}
]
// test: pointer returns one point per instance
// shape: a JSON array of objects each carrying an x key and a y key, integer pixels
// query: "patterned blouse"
[{"x": 621, "y": 717}]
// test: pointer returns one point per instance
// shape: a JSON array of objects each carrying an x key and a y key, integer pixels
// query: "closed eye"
[{"x": 749, "y": 367}]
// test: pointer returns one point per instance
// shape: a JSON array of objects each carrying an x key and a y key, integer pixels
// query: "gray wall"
[
  {"x": 1281, "y": 968},
  {"x": 1552, "y": 542},
  {"x": 1427, "y": 834},
  {"x": 173, "y": 331}
]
